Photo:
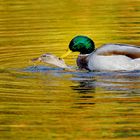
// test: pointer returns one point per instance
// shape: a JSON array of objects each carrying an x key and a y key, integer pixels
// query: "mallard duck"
[
  {"x": 51, "y": 59},
  {"x": 109, "y": 57}
]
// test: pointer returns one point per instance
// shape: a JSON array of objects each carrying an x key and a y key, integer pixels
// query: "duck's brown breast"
[{"x": 82, "y": 61}]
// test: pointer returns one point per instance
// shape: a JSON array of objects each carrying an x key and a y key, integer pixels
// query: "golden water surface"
[{"x": 47, "y": 103}]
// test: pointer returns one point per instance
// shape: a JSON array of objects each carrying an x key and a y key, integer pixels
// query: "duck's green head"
[{"x": 82, "y": 44}]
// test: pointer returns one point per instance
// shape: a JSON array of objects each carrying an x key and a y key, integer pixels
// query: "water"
[{"x": 48, "y": 103}]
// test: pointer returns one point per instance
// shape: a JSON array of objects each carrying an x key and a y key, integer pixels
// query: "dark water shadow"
[
  {"x": 126, "y": 81},
  {"x": 40, "y": 69}
]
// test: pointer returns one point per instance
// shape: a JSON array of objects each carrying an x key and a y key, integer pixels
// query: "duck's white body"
[
  {"x": 113, "y": 63},
  {"x": 114, "y": 57}
]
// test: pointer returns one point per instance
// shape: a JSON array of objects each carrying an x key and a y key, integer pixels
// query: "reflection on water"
[
  {"x": 51, "y": 103},
  {"x": 54, "y": 103},
  {"x": 111, "y": 81}
]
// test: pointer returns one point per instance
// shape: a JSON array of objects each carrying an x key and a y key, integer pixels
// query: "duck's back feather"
[
  {"x": 130, "y": 51},
  {"x": 115, "y": 57}
]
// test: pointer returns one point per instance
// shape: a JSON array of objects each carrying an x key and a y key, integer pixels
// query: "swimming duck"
[
  {"x": 109, "y": 57},
  {"x": 51, "y": 59}
]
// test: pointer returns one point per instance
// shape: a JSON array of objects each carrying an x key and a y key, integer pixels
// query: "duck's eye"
[{"x": 43, "y": 55}]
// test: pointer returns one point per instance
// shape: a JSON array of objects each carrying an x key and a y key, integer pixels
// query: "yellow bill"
[{"x": 66, "y": 54}]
